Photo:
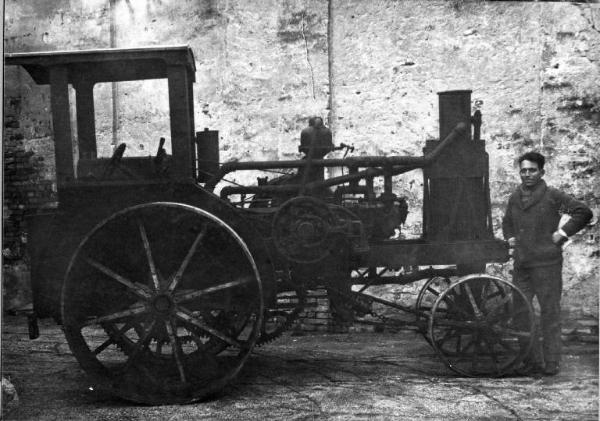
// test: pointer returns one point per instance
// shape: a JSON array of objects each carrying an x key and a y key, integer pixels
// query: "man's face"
[{"x": 530, "y": 173}]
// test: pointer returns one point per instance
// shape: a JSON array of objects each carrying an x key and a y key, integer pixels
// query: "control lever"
[
  {"x": 349, "y": 148},
  {"x": 160, "y": 155}
]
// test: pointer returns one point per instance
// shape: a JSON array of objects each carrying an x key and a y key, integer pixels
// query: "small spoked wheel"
[
  {"x": 482, "y": 326},
  {"x": 427, "y": 297},
  {"x": 162, "y": 303}
]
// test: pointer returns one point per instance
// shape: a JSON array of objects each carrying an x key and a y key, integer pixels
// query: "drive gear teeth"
[
  {"x": 125, "y": 347},
  {"x": 266, "y": 337}
]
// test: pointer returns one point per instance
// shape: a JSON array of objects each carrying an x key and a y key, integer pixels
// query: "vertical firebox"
[{"x": 456, "y": 200}]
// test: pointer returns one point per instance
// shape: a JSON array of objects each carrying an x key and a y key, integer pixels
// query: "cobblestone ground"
[{"x": 366, "y": 376}]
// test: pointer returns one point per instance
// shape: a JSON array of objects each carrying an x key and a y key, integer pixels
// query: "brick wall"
[{"x": 25, "y": 189}]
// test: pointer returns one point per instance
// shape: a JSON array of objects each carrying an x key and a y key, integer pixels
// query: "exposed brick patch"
[{"x": 25, "y": 190}]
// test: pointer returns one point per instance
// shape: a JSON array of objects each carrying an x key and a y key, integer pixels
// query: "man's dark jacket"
[{"x": 532, "y": 224}]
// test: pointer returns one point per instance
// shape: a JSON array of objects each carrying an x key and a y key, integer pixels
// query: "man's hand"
[
  {"x": 558, "y": 238},
  {"x": 512, "y": 242}
]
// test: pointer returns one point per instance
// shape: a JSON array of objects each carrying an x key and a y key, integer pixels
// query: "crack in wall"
[
  {"x": 543, "y": 34},
  {"x": 225, "y": 54},
  {"x": 331, "y": 114},
  {"x": 114, "y": 86},
  {"x": 310, "y": 67}
]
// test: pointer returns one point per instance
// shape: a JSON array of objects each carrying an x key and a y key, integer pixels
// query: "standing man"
[{"x": 531, "y": 227}]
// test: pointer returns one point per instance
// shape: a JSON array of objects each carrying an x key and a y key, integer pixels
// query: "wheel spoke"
[
  {"x": 433, "y": 291},
  {"x": 428, "y": 309},
  {"x": 111, "y": 340},
  {"x": 139, "y": 327},
  {"x": 495, "y": 294},
  {"x": 512, "y": 315},
  {"x": 197, "y": 294},
  {"x": 497, "y": 306},
  {"x": 476, "y": 310},
  {"x": 512, "y": 332},
  {"x": 103, "y": 346},
  {"x": 506, "y": 345},
  {"x": 483, "y": 291},
  {"x": 121, "y": 279},
  {"x": 469, "y": 345},
  {"x": 466, "y": 324},
  {"x": 187, "y": 259},
  {"x": 187, "y": 316},
  {"x": 493, "y": 355},
  {"x": 448, "y": 335},
  {"x": 151, "y": 264},
  {"x": 450, "y": 299},
  {"x": 144, "y": 340},
  {"x": 132, "y": 311},
  {"x": 176, "y": 346}
]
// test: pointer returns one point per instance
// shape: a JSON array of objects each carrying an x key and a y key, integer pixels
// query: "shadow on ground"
[{"x": 326, "y": 377}]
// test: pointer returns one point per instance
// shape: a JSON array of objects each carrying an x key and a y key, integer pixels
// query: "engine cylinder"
[{"x": 456, "y": 196}]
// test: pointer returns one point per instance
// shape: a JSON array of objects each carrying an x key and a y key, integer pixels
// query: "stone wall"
[
  {"x": 534, "y": 72},
  {"x": 262, "y": 69}
]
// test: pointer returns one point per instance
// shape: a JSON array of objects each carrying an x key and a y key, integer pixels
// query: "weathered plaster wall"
[
  {"x": 262, "y": 69},
  {"x": 534, "y": 72}
]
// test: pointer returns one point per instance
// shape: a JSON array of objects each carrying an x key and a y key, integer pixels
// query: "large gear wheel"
[
  {"x": 279, "y": 317},
  {"x": 158, "y": 346},
  {"x": 301, "y": 229}
]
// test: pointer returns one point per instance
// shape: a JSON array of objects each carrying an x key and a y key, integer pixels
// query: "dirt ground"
[{"x": 359, "y": 376}]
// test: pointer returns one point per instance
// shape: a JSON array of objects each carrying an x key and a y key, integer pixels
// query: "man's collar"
[{"x": 535, "y": 194}]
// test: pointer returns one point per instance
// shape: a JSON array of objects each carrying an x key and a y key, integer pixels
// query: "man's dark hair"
[{"x": 538, "y": 158}]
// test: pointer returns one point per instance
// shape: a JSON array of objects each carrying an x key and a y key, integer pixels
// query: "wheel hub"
[
  {"x": 301, "y": 229},
  {"x": 306, "y": 230},
  {"x": 163, "y": 304}
]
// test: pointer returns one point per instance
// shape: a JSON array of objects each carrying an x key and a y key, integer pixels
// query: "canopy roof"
[{"x": 106, "y": 65}]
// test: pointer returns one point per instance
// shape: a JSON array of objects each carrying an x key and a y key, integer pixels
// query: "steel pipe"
[{"x": 364, "y": 161}]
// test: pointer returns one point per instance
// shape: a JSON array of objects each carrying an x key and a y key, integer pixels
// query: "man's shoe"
[{"x": 552, "y": 368}]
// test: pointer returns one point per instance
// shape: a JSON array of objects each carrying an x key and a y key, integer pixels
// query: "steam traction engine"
[{"x": 164, "y": 288}]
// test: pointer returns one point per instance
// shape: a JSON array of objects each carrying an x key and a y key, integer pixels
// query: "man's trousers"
[{"x": 544, "y": 282}]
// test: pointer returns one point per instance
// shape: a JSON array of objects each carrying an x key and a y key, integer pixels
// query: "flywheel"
[{"x": 302, "y": 228}]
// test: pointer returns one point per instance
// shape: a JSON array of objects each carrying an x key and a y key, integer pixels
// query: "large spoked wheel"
[
  {"x": 162, "y": 303},
  {"x": 482, "y": 326},
  {"x": 427, "y": 297}
]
